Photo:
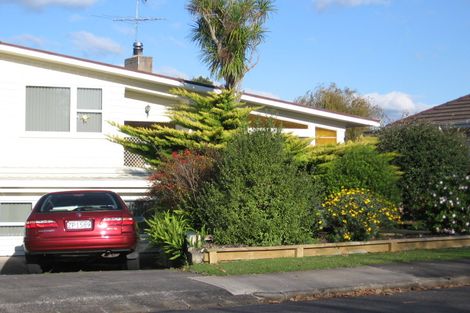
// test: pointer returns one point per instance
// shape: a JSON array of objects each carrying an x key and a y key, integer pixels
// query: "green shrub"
[
  {"x": 357, "y": 214},
  {"x": 168, "y": 230},
  {"x": 426, "y": 154},
  {"x": 361, "y": 166},
  {"x": 258, "y": 196},
  {"x": 450, "y": 213}
]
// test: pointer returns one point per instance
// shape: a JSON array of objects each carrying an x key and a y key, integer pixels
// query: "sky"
[{"x": 403, "y": 55}]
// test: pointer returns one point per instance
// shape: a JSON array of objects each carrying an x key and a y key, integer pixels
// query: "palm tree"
[{"x": 228, "y": 33}]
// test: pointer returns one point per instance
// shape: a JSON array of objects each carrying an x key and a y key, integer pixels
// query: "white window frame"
[
  {"x": 15, "y": 223},
  {"x": 73, "y": 115}
]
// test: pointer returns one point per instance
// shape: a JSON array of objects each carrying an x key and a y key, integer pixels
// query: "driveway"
[{"x": 110, "y": 291}]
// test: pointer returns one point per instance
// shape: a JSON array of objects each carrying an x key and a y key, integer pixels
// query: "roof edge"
[{"x": 293, "y": 106}]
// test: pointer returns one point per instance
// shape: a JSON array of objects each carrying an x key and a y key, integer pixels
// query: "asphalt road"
[
  {"x": 452, "y": 300},
  {"x": 111, "y": 291}
]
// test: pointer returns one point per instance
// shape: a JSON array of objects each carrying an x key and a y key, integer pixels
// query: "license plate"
[{"x": 74, "y": 225}]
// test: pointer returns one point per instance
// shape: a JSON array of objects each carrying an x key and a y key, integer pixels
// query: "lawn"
[{"x": 326, "y": 262}]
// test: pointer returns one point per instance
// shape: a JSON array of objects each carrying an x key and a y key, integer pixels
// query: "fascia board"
[
  {"x": 88, "y": 65},
  {"x": 173, "y": 82},
  {"x": 309, "y": 111}
]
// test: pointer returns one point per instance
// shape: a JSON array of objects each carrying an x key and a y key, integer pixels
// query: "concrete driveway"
[{"x": 107, "y": 291}]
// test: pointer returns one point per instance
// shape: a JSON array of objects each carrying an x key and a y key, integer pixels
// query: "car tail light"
[
  {"x": 127, "y": 221},
  {"x": 118, "y": 221},
  {"x": 41, "y": 224}
]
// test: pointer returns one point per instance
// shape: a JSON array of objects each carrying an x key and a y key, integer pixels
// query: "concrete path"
[{"x": 284, "y": 286}]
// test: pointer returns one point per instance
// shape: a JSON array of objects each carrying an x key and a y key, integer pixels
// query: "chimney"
[{"x": 138, "y": 62}]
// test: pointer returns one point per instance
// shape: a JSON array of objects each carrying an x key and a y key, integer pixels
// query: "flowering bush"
[
  {"x": 449, "y": 212},
  {"x": 426, "y": 154},
  {"x": 180, "y": 177},
  {"x": 357, "y": 214}
]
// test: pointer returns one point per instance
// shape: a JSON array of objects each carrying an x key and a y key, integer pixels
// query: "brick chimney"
[{"x": 138, "y": 62}]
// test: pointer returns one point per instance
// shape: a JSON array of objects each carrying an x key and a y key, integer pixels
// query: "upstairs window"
[
  {"x": 47, "y": 109},
  {"x": 89, "y": 105},
  {"x": 54, "y": 109}
]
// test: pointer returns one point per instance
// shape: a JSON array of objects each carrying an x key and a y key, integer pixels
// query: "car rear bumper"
[{"x": 87, "y": 245}]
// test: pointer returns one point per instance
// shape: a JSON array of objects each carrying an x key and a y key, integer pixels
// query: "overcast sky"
[{"x": 405, "y": 55}]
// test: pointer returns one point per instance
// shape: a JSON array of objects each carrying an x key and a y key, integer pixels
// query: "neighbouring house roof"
[
  {"x": 454, "y": 113},
  {"x": 64, "y": 60}
]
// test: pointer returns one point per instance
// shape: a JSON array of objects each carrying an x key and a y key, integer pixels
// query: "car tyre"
[
  {"x": 33, "y": 268},
  {"x": 133, "y": 264}
]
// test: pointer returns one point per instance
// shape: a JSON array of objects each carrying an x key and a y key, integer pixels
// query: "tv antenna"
[{"x": 137, "y": 19}]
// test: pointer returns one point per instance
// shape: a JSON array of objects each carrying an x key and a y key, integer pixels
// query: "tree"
[
  {"x": 344, "y": 100},
  {"x": 228, "y": 33},
  {"x": 203, "y": 80},
  {"x": 204, "y": 122}
]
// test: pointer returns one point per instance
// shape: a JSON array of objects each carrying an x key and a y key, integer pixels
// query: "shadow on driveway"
[{"x": 14, "y": 265}]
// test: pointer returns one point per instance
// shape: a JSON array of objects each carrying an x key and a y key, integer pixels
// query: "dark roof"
[{"x": 455, "y": 112}]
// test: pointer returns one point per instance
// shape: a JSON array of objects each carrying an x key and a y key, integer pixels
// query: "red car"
[{"x": 74, "y": 224}]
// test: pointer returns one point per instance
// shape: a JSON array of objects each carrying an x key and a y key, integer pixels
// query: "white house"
[{"x": 53, "y": 125}]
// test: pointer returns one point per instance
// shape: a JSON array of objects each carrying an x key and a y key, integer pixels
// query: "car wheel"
[
  {"x": 46, "y": 266},
  {"x": 133, "y": 264},
  {"x": 33, "y": 268}
]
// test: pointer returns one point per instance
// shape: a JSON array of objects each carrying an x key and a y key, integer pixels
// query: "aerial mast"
[{"x": 138, "y": 46}]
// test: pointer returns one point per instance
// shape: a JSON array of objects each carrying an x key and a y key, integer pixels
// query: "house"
[
  {"x": 455, "y": 113},
  {"x": 54, "y": 126}
]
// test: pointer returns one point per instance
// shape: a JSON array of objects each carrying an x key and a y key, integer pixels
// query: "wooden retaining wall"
[{"x": 214, "y": 256}]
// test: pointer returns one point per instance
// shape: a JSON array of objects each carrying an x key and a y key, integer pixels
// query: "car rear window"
[{"x": 84, "y": 201}]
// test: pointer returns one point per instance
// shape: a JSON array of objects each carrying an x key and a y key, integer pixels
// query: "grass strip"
[{"x": 326, "y": 262}]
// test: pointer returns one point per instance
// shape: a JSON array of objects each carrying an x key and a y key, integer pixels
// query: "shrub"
[
  {"x": 168, "y": 230},
  {"x": 357, "y": 214},
  {"x": 258, "y": 196},
  {"x": 450, "y": 213},
  {"x": 361, "y": 166},
  {"x": 426, "y": 155},
  {"x": 180, "y": 177}
]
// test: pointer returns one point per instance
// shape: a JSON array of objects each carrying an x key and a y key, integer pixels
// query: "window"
[
  {"x": 47, "y": 109},
  {"x": 14, "y": 212},
  {"x": 53, "y": 108},
  {"x": 324, "y": 136},
  {"x": 89, "y": 105}
]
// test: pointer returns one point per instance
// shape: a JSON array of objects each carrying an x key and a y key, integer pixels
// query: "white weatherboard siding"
[{"x": 33, "y": 163}]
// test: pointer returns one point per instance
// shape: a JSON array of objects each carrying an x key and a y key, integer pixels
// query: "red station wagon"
[{"x": 80, "y": 224}]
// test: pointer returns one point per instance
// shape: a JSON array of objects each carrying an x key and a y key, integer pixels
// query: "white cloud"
[
  {"x": 91, "y": 44},
  {"x": 28, "y": 40},
  {"x": 321, "y": 5},
  {"x": 172, "y": 72},
  {"x": 396, "y": 104},
  {"x": 38, "y": 4}
]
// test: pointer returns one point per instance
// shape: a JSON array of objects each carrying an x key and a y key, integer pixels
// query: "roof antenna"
[{"x": 138, "y": 46}]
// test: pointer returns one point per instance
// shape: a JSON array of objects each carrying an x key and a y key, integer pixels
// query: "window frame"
[
  {"x": 15, "y": 223},
  {"x": 91, "y": 111},
  {"x": 73, "y": 118}
]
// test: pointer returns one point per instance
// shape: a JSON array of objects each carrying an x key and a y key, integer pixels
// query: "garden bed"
[{"x": 215, "y": 255}]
